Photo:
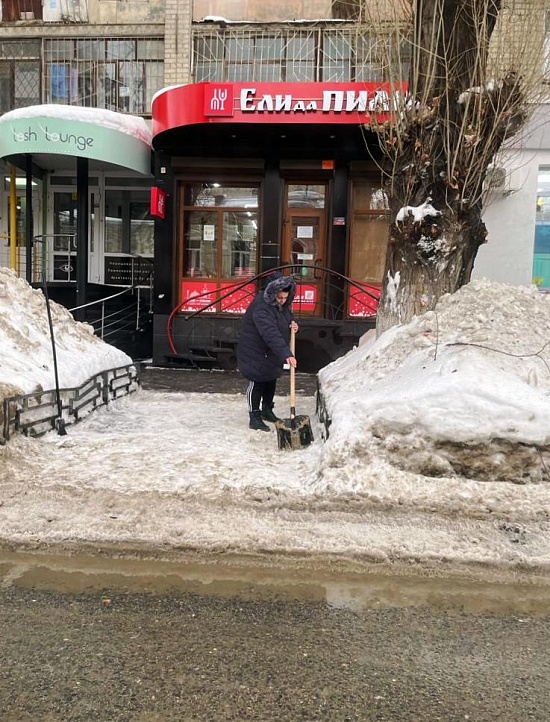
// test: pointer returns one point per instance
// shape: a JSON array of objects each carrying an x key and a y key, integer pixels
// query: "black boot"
[
  {"x": 268, "y": 415},
  {"x": 256, "y": 422}
]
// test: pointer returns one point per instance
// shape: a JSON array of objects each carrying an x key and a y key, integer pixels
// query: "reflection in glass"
[
  {"x": 214, "y": 194},
  {"x": 220, "y": 231},
  {"x": 239, "y": 244},
  {"x": 113, "y": 221},
  {"x": 369, "y": 197},
  {"x": 305, "y": 245},
  {"x": 129, "y": 227},
  {"x": 64, "y": 220},
  {"x": 306, "y": 196},
  {"x": 142, "y": 228},
  {"x": 200, "y": 242}
]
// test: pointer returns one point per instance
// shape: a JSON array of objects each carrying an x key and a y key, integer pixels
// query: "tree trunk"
[
  {"x": 426, "y": 259},
  {"x": 438, "y": 148}
]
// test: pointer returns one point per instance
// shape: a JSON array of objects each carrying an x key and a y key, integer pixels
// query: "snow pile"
[
  {"x": 463, "y": 390},
  {"x": 26, "y": 359},
  {"x": 130, "y": 124}
]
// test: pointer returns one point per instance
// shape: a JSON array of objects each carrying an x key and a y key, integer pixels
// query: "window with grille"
[
  {"x": 342, "y": 54},
  {"x": 119, "y": 74},
  {"x": 15, "y": 10},
  {"x": 19, "y": 74}
]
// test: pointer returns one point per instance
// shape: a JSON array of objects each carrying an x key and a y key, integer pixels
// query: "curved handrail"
[{"x": 253, "y": 279}]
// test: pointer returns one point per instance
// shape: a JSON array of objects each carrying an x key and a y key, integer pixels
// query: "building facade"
[
  {"x": 262, "y": 157},
  {"x": 82, "y": 57}
]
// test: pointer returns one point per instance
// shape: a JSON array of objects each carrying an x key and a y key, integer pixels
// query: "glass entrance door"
[
  {"x": 304, "y": 243},
  {"x": 62, "y": 243}
]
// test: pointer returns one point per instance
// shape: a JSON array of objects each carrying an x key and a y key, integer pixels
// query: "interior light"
[{"x": 19, "y": 182}]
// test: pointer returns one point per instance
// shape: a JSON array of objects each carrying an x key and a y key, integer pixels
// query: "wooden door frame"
[{"x": 286, "y": 246}]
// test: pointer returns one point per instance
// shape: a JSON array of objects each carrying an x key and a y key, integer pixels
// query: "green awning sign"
[{"x": 72, "y": 137}]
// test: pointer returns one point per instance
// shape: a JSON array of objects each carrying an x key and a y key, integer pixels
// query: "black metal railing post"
[{"x": 59, "y": 421}]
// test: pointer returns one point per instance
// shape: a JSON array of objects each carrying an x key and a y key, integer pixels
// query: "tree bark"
[{"x": 425, "y": 260}]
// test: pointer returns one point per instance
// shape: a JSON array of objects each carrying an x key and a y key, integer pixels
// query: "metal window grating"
[
  {"x": 296, "y": 54},
  {"x": 119, "y": 74},
  {"x": 20, "y": 77}
]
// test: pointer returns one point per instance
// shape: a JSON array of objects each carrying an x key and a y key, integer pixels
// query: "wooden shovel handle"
[{"x": 292, "y": 374}]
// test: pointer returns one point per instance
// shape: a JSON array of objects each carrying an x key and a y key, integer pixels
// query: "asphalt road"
[{"x": 138, "y": 657}]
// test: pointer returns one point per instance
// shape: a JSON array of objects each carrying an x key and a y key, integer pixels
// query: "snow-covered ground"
[
  {"x": 183, "y": 471},
  {"x": 26, "y": 358}
]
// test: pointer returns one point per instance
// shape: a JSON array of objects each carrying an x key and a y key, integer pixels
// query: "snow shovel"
[{"x": 295, "y": 432}]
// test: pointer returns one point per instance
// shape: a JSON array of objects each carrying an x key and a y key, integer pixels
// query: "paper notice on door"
[{"x": 304, "y": 232}]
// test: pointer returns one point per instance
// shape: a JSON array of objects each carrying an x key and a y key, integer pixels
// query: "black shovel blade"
[{"x": 294, "y": 433}]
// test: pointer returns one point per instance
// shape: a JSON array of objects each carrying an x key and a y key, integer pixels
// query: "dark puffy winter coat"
[{"x": 264, "y": 341}]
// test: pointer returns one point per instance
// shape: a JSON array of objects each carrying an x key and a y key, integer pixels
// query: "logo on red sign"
[
  {"x": 218, "y": 99},
  {"x": 158, "y": 202}
]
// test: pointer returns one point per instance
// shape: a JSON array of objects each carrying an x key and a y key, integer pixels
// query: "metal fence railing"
[{"x": 38, "y": 413}]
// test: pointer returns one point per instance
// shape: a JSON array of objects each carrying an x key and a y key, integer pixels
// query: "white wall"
[{"x": 510, "y": 214}]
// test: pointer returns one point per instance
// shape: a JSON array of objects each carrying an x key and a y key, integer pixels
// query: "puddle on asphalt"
[{"x": 252, "y": 579}]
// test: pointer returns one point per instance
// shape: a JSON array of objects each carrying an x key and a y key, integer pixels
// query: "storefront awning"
[
  {"x": 54, "y": 135},
  {"x": 273, "y": 103}
]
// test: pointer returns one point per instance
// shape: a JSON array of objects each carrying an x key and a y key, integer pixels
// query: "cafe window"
[
  {"x": 369, "y": 233},
  {"x": 129, "y": 227},
  {"x": 220, "y": 231}
]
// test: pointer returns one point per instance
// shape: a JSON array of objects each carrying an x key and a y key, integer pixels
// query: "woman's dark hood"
[{"x": 278, "y": 282}]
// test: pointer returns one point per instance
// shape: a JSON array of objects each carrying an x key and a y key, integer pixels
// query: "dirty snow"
[
  {"x": 460, "y": 390},
  {"x": 26, "y": 359},
  {"x": 182, "y": 471}
]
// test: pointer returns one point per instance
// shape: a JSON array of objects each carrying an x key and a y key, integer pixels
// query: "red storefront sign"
[
  {"x": 362, "y": 304},
  {"x": 198, "y": 103},
  {"x": 158, "y": 202},
  {"x": 305, "y": 298},
  {"x": 239, "y": 300},
  {"x": 195, "y": 295}
]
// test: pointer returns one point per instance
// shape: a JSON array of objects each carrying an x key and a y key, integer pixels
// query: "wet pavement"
[
  {"x": 96, "y": 643},
  {"x": 95, "y": 638},
  {"x": 156, "y": 378}
]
